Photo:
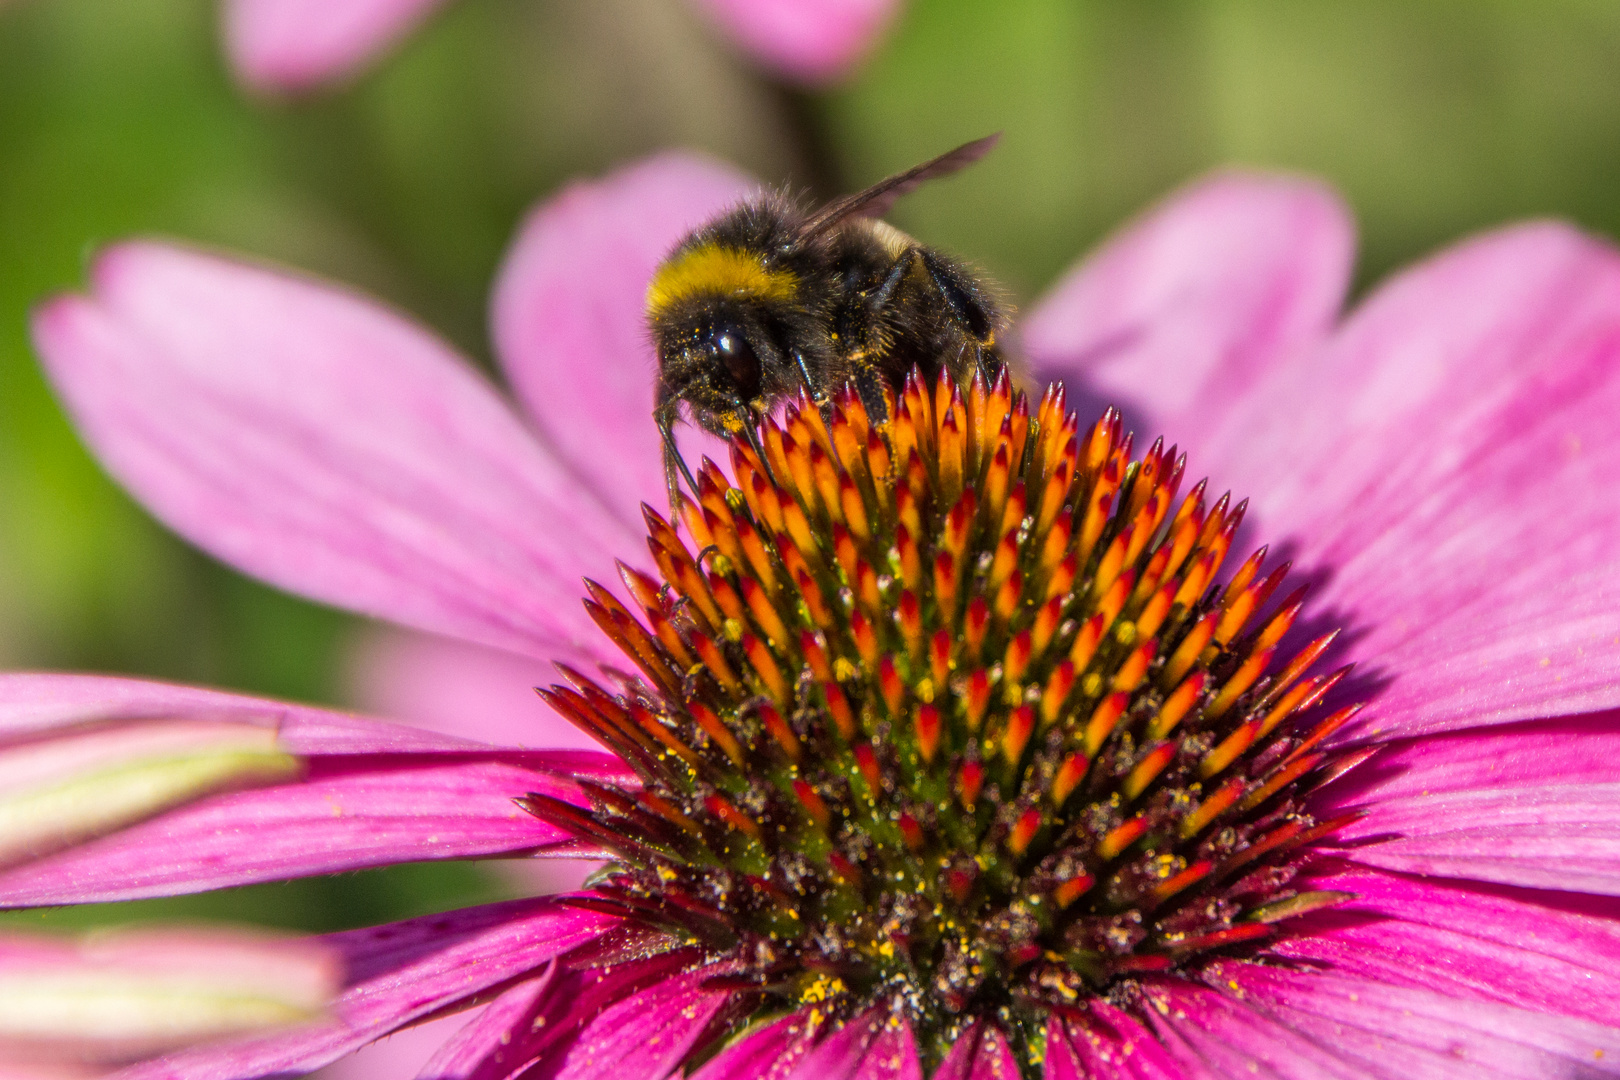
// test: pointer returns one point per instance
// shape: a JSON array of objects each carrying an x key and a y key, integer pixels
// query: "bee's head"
[{"x": 724, "y": 326}]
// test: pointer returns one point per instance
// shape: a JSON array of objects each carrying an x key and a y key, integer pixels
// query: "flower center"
[{"x": 953, "y": 713}]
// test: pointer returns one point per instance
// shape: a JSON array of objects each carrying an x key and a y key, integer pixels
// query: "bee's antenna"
[{"x": 672, "y": 462}]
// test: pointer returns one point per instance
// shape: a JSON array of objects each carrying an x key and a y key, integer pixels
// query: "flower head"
[
  {"x": 948, "y": 718},
  {"x": 963, "y": 744}
]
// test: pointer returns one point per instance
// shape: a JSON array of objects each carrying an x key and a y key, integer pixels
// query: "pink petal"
[
  {"x": 768, "y": 1053},
  {"x": 1533, "y": 804},
  {"x": 1103, "y": 1043},
  {"x": 648, "y": 1033},
  {"x": 1177, "y": 317},
  {"x": 485, "y": 1048},
  {"x": 401, "y": 1053},
  {"x": 399, "y": 973},
  {"x": 124, "y": 994},
  {"x": 811, "y": 41},
  {"x": 349, "y": 814},
  {"x": 319, "y": 441},
  {"x": 980, "y": 1053},
  {"x": 576, "y": 999},
  {"x": 1215, "y": 1034},
  {"x": 1529, "y": 949},
  {"x": 569, "y": 318},
  {"x": 299, "y": 44},
  {"x": 877, "y": 1045},
  {"x": 1376, "y": 1029},
  {"x": 459, "y": 689},
  {"x": 1447, "y": 465}
]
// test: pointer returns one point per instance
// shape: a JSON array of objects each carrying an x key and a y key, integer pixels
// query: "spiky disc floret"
[{"x": 954, "y": 713}]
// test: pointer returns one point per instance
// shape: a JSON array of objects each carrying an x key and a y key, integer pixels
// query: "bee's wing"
[{"x": 875, "y": 201}]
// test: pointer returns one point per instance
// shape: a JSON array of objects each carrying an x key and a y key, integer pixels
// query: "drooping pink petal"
[
  {"x": 1103, "y": 1042},
  {"x": 876, "y": 1045},
  {"x": 289, "y": 45},
  {"x": 317, "y": 440},
  {"x": 348, "y": 814},
  {"x": 1178, "y": 316},
  {"x": 490, "y": 1046},
  {"x": 1534, "y": 804},
  {"x": 398, "y": 973},
  {"x": 647, "y": 1033},
  {"x": 458, "y": 688},
  {"x": 1530, "y": 949},
  {"x": 768, "y": 1053},
  {"x": 980, "y": 1053},
  {"x": 811, "y": 41},
  {"x": 576, "y": 998},
  {"x": 124, "y": 994},
  {"x": 1379, "y": 1029},
  {"x": 402, "y": 1053},
  {"x": 568, "y": 318},
  {"x": 1216, "y": 1034},
  {"x": 1444, "y": 466}
]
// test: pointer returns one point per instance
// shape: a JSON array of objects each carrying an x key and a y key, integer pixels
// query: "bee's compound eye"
[{"x": 741, "y": 362}]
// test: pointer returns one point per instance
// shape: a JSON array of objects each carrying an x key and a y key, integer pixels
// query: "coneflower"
[{"x": 976, "y": 743}]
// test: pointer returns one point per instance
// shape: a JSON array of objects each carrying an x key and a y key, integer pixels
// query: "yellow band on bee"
[{"x": 712, "y": 270}]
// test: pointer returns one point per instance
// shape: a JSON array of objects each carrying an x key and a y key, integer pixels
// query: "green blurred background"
[{"x": 118, "y": 116}]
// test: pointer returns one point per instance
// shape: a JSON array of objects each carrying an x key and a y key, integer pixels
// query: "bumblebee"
[{"x": 771, "y": 297}]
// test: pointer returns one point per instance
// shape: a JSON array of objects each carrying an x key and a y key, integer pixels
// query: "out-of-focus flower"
[
  {"x": 80, "y": 1007},
  {"x": 293, "y": 45},
  {"x": 950, "y": 756}
]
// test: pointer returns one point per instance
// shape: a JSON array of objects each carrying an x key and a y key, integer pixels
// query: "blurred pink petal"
[
  {"x": 1445, "y": 462},
  {"x": 1176, "y": 318},
  {"x": 401, "y": 1054},
  {"x": 286, "y": 45},
  {"x": 81, "y": 783},
  {"x": 459, "y": 689},
  {"x": 569, "y": 325},
  {"x": 118, "y": 995},
  {"x": 398, "y": 973},
  {"x": 348, "y": 814},
  {"x": 31, "y": 703},
  {"x": 321, "y": 442},
  {"x": 812, "y": 41}
]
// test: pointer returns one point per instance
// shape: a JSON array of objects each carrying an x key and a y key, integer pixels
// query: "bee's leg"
[
  {"x": 959, "y": 296},
  {"x": 891, "y": 281},
  {"x": 871, "y": 390},
  {"x": 674, "y": 465},
  {"x": 811, "y": 390},
  {"x": 751, "y": 433}
]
